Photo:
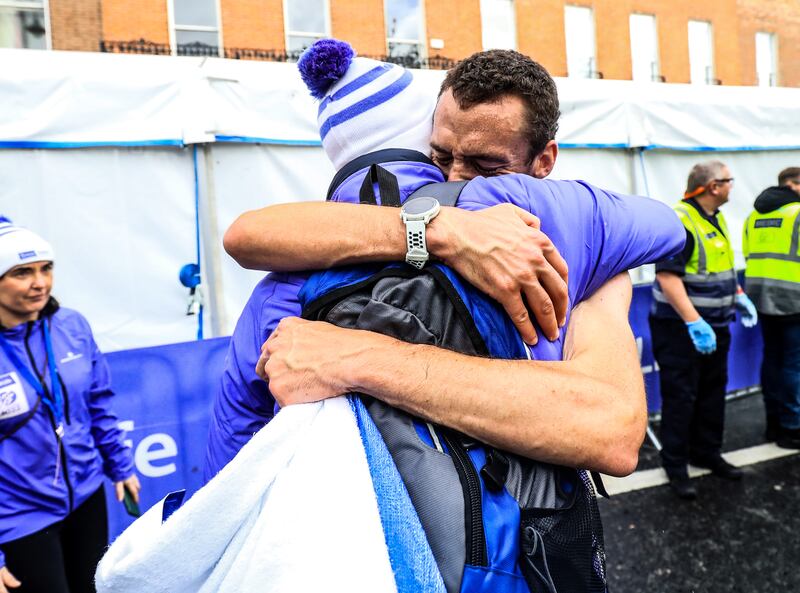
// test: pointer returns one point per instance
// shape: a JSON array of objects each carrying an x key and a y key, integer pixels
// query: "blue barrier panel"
[
  {"x": 744, "y": 360},
  {"x": 163, "y": 400}
]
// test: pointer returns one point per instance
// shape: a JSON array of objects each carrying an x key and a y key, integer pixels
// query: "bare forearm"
[
  {"x": 551, "y": 412},
  {"x": 289, "y": 237},
  {"x": 673, "y": 288},
  {"x": 586, "y": 411}
]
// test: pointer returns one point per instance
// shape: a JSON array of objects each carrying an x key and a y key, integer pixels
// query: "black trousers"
[
  {"x": 62, "y": 557},
  {"x": 692, "y": 394}
]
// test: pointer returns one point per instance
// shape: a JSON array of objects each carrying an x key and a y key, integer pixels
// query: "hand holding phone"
[
  {"x": 131, "y": 506},
  {"x": 128, "y": 494}
]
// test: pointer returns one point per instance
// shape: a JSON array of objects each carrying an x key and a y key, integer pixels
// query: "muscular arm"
[
  {"x": 315, "y": 235},
  {"x": 499, "y": 250},
  {"x": 586, "y": 411},
  {"x": 673, "y": 288}
]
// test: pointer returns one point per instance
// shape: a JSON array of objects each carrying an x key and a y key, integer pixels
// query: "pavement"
[{"x": 736, "y": 537}]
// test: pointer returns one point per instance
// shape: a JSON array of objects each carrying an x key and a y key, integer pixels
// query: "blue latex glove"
[
  {"x": 747, "y": 310},
  {"x": 703, "y": 336}
]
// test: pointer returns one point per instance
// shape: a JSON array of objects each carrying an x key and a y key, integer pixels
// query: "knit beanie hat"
[
  {"x": 20, "y": 246},
  {"x": 365, "y": 105}
]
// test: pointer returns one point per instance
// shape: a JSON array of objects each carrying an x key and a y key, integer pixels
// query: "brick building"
[{"x": 731, "y": 42}]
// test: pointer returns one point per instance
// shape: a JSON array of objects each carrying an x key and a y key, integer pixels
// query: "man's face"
[
  {"x": 794, "y": 185},
  {"x": 485, "y": 140},
  {"x": 721, "y": 186}
]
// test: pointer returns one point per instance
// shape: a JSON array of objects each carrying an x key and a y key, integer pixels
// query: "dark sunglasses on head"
[{"x": 726, "y": 180}]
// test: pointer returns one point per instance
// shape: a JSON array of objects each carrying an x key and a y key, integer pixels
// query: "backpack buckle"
[{"x": 495, "y": 470}]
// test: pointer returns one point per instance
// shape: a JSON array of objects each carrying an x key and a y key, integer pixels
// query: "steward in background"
[
  {"x": 771, "y": 244},
  {"x": 58, "y": 435},
  {"x": 695, "y": 296}
]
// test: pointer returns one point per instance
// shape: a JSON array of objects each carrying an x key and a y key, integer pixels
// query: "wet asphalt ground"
[{"x": 736, "y": 537}]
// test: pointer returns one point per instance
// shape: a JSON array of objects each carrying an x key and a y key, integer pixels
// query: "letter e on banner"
[{"x": 152, "y": 448}]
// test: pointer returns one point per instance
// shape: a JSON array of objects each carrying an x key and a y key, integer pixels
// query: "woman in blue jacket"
[{"x": 57, "y": 437}]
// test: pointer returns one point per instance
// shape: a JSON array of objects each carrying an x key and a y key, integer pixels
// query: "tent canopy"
[{"x": 54, "y": 99}]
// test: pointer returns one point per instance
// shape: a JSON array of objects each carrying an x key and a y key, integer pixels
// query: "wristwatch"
[{"x": 416, "y": 214}]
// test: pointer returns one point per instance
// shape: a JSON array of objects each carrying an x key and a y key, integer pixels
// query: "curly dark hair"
[{"x": 487, "y": 76}]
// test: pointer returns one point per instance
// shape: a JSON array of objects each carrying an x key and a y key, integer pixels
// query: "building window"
[
  {"x": 701, "y": 52},
  {"x": 196, "y": 27},
  {"x": 579, "y": 31},
  {"x": 498, "y": 25},
  {"x": 404, "y": 30},
  {"x": 766, "y": 60},
  {"x": 23, "y": 24},
  {"x": 306, "y": 21},
  {"x": 644, "y": 48}
]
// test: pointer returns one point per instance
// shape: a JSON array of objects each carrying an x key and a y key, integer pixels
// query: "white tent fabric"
[
  {"x": 76, "y": 98},
  {"x": 120, "y": 205},
  {"x": 122, "y": 223}
]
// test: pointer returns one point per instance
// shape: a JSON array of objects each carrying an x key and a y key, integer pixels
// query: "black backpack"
[{"x": 495, "y": 521}]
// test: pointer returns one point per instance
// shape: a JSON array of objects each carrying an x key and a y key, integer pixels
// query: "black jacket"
[{"x": 773, "y": 198}]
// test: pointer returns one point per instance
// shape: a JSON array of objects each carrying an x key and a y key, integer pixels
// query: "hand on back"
[
  {"x": 502, "y": 251},
  {"x": 306, "y": 361}
]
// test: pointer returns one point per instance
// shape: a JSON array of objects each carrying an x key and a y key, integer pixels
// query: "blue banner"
[
  {"x": 744, "y": 359},
  {"x": 163, "y": 401},
  {"x": 164, "y": 398}
]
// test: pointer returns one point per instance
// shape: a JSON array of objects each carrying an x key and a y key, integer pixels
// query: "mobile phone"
[{"x": 131, "y": 506}]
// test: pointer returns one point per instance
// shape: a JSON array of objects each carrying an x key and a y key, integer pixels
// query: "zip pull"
[{"x": 59, "y": 436}]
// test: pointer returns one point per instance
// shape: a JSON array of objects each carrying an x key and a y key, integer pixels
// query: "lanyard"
[{"x": 56, "y": 401}]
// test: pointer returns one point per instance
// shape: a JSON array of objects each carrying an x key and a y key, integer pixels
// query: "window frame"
[
  {"x": 173, "y": 28},
  {"x": 593, "y": 71},
  {"x": 655, "y": 76},
  {"x": 513, "y": 24},
  {"x": 34, "y": 5},
  {"x": 773, "y": 37},
  {"x": 422, "y": 42},
  {"x": 710, "y": 78},
  {"x": 289, "y": 33}
]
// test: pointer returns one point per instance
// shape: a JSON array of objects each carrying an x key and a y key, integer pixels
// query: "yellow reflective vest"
[
  {"x": 771, "y": 244},
  {"x": 710, "y": 278}
]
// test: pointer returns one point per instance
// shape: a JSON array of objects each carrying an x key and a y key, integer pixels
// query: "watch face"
[{"x": 419, "y": 205}]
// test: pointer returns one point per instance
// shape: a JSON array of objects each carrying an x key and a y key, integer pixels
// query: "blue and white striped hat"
[
  {"x": 20, "y": 246},
  {"x": 365, "y": 105}
]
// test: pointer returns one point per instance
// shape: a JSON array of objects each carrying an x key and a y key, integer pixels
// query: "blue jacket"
[
  {"x": 30, "y": 496},
  {"x": 599, "y": 233}
]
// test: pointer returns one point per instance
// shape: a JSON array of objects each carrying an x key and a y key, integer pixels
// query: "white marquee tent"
[{"x": 132, "y": 165}]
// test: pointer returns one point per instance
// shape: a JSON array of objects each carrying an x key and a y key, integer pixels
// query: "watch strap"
[{"x": 417, "y": 249}]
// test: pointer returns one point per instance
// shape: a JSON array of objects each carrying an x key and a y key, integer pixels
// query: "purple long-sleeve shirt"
[
  {"x": 40, "y": 485},
  {"x": 599, "y": 234}
]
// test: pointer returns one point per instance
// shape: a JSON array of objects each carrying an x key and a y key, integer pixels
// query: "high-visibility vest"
[
  {"x": 710, "y": 278},
  {"x": 771, "y": 244}
]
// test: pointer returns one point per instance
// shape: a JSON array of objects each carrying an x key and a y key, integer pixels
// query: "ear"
[{"x": 543, "y": 163}]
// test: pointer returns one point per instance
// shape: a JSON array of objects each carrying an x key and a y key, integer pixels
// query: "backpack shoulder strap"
[
  {"x": 388, "y": 188},
  {"x": 446, "y": 192}
]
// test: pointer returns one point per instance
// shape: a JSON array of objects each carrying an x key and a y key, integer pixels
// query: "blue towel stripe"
[
  {"x": 410, "y": 555},
  {"x": 356, "y": 84},
  {"x": 372, "y": 101}
]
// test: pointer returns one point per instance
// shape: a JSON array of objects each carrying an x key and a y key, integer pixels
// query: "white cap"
[
  {"x": 20, "y": 246},
  {"x": 366, "y": 105}
]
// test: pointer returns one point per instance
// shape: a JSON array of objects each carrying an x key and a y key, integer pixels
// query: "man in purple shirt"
[{"x": 598, "y": 416}]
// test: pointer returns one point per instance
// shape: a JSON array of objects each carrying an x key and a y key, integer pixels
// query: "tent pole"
[{"x": 212, "y": 243}]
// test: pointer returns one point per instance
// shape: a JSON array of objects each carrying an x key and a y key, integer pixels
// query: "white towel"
[{"x": 294, "y": 511}]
